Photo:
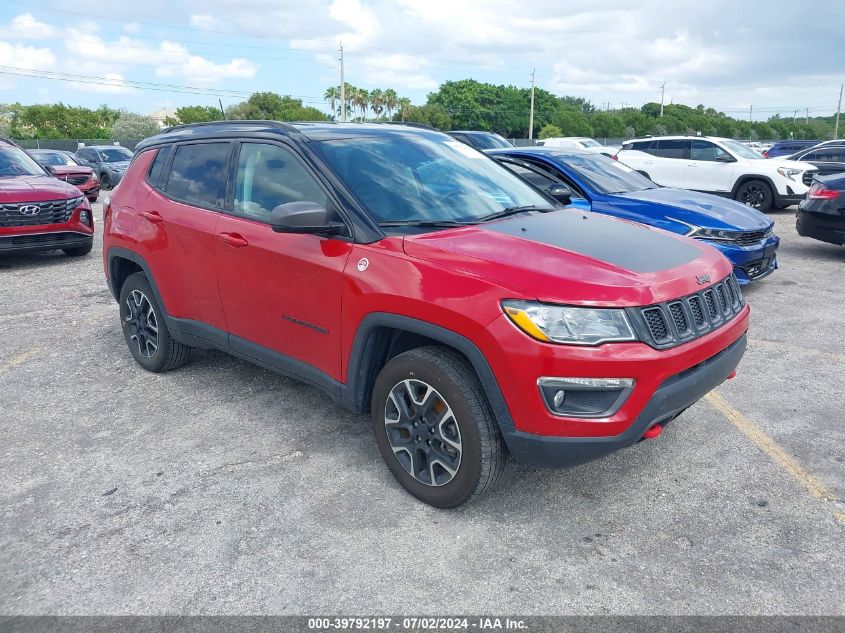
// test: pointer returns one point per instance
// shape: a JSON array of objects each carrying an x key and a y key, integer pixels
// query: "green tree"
[
  {"x": 274, "y": 107},
  {"x": 433, "y": 115},
  {"x": 549, "y": 131},
  {"x": 391, "y": 101},
  {"x": 333, "y": 96},
  {"x": 131, "y": 127},
  {"x": 377, "y": 101},
  {"x": 573, "y": 122},
  {"x": 195, "y": 114}
]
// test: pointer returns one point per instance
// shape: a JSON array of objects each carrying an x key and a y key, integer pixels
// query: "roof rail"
[
  {"x": 182, "y": 126},
  {"x": 407, "y": 123}
]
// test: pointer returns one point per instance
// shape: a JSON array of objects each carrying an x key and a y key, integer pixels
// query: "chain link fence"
[{"x": 71, "y": 145}]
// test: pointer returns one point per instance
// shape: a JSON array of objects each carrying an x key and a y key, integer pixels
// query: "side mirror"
[
  {"x": 560, "y": 192},
  {"x": 50, "y": 170},
  {"x": 303, "y": 217},
  {"x": 725, "y": 158}
]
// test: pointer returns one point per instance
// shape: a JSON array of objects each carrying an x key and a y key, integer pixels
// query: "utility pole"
[
  {"x": 662, "y": 92},
  {"x": 807, "y": 118},
  {"x": 342, "y": 88},
  {"x": 838, "y": 109},
  {"x": 222, "y": 111},
  {"x": 750, "y": 112},
  {"x": 531, "y": 116},
  {"x": 794, "y": 114}
]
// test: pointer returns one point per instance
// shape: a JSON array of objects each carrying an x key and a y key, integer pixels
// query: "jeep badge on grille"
[{"x": 702, "y": 279}]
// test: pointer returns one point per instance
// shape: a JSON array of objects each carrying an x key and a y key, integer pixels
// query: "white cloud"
[
  {"x": 27, "y": 57},
  {"x": 178, "y": 62},
  {"x": 26, "y": 27},
  {"x": 205, "y": 22}
]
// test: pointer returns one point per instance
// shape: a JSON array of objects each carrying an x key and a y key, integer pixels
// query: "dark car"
[
  {"x": 480, "y": 140},
  {"x": 828, "y": 157},
  {"x": 822, "y": 214},
  {"x": 413, "y": 278},
  {"x": 785, "y": 148},
  {"x": 65, "y": 167},
  {"x": 596, "y": 183},
  {"x": 38, "y": 212},
  {"x": 109, "y": 162}
]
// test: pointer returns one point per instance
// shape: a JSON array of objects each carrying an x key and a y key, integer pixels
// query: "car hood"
[
  {"x": 575, "y": 257},
  {"x": 67, "y": 170},
  {"x": 699, "y": 209},
  {"x": 120, "y": 164},
  {"x": 35, "y": 189},
  {"x": 789, "y": 164}
]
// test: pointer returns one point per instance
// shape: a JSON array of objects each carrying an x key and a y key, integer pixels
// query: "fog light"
[
  {"x": 584, "y": 397},
  {"x": 85, "y": 217}
]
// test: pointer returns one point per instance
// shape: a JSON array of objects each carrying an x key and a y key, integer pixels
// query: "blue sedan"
[{"x": 597, "y": 183}]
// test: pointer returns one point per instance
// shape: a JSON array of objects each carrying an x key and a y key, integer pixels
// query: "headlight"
[
  {"x": 788, "y": 172},
  {"x": 94, "y": 177},
  {"x": 564, "y": 324},
  {"x": 716, "y": 234}
]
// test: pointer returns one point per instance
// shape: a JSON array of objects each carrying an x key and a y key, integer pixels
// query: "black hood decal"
[{"x": 623, "y": 244}]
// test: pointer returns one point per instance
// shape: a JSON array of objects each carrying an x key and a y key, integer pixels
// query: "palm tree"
[
  {"x": 377, "y": 101},
  {"x": 350, "y": 90},
  {"x": 404, "y": 107},
  {"x": 362, "y": 100},
  {"x": 391, "y": 100},
  {"x": 333, "y": 95}
]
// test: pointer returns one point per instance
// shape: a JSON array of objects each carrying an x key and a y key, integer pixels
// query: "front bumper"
[
  {"x": 517, "y": 362},
  {"x": 674, "y": 394},
  {"x": 47, "y": 237},
  {"x": 750, "y": 262}
]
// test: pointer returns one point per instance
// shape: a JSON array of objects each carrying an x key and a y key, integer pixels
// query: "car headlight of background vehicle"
[
  {"x": 788, "y": 172},
  {"x": 571, "y": 325}
]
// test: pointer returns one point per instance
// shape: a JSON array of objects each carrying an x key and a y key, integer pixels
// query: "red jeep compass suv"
[
  {"x": 410, "y": 276},
  {"x": 37, "y": 211}
]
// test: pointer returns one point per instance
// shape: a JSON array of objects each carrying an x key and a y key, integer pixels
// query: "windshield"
[
  {"x": 115, "y": 155},
  {"x": 490, "y": 141},
  {"x": 741, "y": 150},
  {"x": 54, "y": 158},
  {"x": 405, "y": 177},
  {"x": 606, "y": 175},
  {"x": 589, "y": 143},
  {"x": 16, "y": 162}
]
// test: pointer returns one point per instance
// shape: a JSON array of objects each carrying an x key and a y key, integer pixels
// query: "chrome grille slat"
[
  {"x": 51, "y": 212},
  {"x": 674, "y": 322}
]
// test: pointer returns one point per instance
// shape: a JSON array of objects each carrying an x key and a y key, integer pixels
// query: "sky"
[{"x": 775, "y": 55}]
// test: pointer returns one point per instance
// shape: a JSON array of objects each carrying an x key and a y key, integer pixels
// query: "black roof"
[{"x": 305, "y": 130}]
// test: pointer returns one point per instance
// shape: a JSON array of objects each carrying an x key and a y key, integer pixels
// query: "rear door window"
[
  {"x": 672, "y": 149},
  {"x": 199, "y": 173},
  {"x": 157, "y": 168}
]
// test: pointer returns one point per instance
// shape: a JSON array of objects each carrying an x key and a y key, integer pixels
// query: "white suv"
[{"x": 720, "y": 166}]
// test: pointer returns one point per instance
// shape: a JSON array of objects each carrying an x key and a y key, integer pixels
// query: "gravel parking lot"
[{"x": 224, "y": 488}]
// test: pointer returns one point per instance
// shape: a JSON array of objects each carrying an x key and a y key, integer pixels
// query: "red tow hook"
[
  {"x": 653, "y": 432},
  {"x": 731, "y": 375}
]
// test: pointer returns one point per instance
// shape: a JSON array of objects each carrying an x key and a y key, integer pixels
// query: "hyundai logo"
[
  {"x": 30, "y": 209},
  {"x": 702, "y": 279}
]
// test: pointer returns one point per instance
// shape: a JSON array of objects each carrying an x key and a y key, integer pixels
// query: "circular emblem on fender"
[{"x": 363, "y": 264}]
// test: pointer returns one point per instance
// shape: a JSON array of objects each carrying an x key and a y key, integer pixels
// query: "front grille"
[
  {"x": 808, "y": 176},
  {"x": 49, "y": 212},
  {"x": 674, "y": 322},
  {"x": 77, "y": 180},
  {"x": 746, "y": 238}
]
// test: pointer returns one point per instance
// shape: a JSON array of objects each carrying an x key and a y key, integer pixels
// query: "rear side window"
[
  {"x": 832, "y": 154},
  {"x": 157, "y": 168},
  {"x": 671, "y": 149},
  {"x": 198, "y": 174}
]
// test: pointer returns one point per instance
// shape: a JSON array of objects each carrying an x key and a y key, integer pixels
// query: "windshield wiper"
[
  {"x": 514, "y": 210},
  {"x": 426, "y": 223}
]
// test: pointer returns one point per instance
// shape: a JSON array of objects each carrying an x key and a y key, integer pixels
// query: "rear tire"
[
  {"x": 105, "y": 182},
  {"x": 79, "y": 251},
  {"x": 145, "y": 330},
  {"x": 435, "y": 429},
  {"x": 756, "y": 194}
]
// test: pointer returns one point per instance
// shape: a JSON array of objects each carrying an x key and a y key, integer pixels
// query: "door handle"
[
  {"x": 152, "y": 216},
  {"x": 233, "y": 239}
]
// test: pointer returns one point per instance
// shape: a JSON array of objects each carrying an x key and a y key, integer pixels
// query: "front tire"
[
  {"x": 756, "y": 194},
  {"x": 434, "y": 427},
  {"x": 105, "y": 181},
  {"x": 144, "y": 328}
]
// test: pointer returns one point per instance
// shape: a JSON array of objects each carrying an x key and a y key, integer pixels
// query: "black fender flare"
[
  {"x": 358, "y": 380},
  {"x": 746, "y": 177}
]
